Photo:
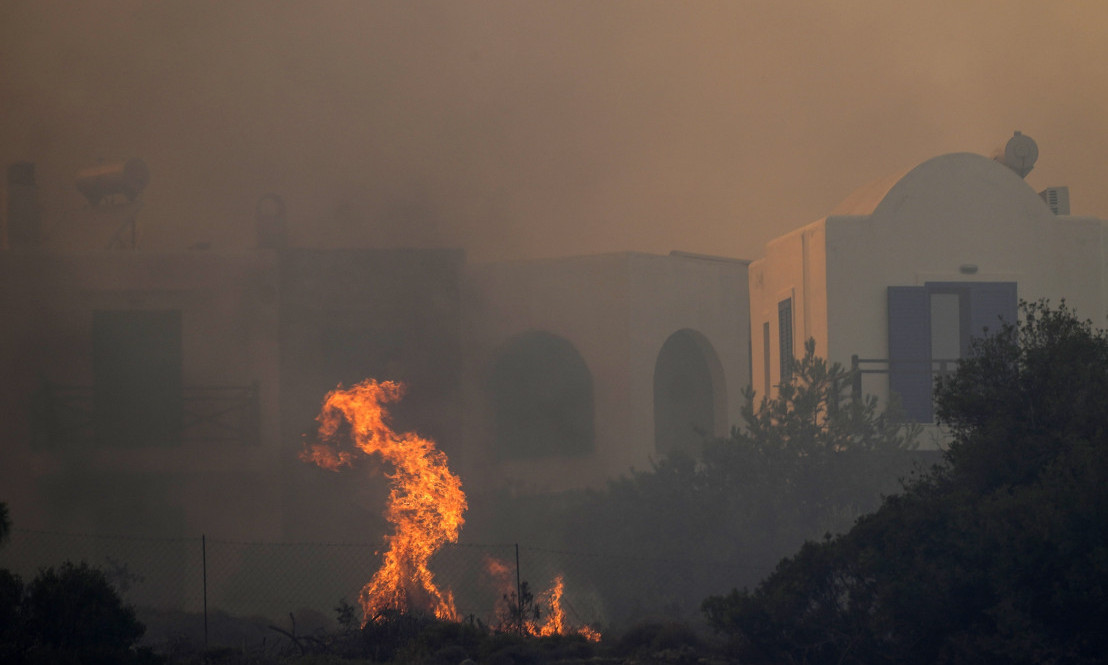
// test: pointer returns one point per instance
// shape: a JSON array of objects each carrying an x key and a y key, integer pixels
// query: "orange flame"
[
  {"x": 425, "y": 504},
  {"x": 555, "y": 623},
  {"x": 551, "y": 599}
]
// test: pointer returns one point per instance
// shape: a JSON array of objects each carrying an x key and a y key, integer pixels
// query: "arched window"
[
  {"x": 689, "y": 395},
  {"x": 542, "y": 398}
]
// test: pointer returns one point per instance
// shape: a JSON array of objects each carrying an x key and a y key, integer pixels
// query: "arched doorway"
[
  {"x": 542, "y": 398},
  {"x": 689, "y": 393}
]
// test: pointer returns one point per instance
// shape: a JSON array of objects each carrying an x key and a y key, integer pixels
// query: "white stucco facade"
[
  {"x": 955, "y": 221},
  {"x": 617, "y": 312}
]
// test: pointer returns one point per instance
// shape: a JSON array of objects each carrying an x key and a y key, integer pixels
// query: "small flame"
[
  {"x": 425, "y": 504},
  {"x": 555, "y": 623},
  {"x": 551, "y": 600}
]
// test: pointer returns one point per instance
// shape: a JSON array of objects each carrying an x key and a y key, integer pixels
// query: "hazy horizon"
[{"x": 523, "y": 130}]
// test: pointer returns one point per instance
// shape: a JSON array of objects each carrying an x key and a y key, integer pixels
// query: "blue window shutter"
[
  {"x": 991, "y": 305},
  {"x": 785, "y": 338},
  {"x": 910, "y": 350}
]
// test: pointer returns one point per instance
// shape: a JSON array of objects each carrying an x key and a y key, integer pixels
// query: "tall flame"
[
  {"x": 425, "y": 504},
  {"x": 555, "y": 623}
]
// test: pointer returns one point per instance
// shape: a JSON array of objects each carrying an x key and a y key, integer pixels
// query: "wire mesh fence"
[{"x": 271, "y": 580}]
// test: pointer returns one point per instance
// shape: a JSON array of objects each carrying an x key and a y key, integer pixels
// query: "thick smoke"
[{"x": 538, "y": 129}]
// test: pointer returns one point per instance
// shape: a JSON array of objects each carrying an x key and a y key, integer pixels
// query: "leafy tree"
[
  {"x": 808, "y": 460},
  {"x": 1025, "y": 398},
  {"x": 824, "y": 450},
  {"x": 516, "y": 611},
  {"x": 11, "y": 595},
  {"x": 998, "y": 555},
  {"x": 68, "y": 614},
  {"x": 815, "y": 413},
  {"x": 74, "y": 606}
]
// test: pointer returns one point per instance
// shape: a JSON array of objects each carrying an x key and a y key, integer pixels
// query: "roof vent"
[{"x": 1057, "y": 199}]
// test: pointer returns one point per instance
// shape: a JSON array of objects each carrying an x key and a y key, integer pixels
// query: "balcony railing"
[
  {"x": 934, "y": 368},
  {"x": 67, "y": 415},
  {"x": 940, "y": 367}
]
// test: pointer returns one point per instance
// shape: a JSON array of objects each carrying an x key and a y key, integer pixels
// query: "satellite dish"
[{"x": 1020, "y": 154}]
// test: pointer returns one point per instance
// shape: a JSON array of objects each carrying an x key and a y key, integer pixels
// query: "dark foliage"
[
  {"x": 5, "y": 523},
  {"x": 999, "y": 555},
  {"x": 346, "y": 614},
  {"x": 391, "y": 631},
  {"x": 649, "y": 638},
  {"x": 515, "y": 611},
  {"x": 394, "y": 637},
  {"x": 74, "y": 606},
  {"x": 11, "y": 597},
  {"x": 807, "y": 461},
  {"x": 68, "y": 614}
]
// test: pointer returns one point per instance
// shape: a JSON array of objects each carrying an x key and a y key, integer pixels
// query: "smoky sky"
[{"x": 532, "y": 129}]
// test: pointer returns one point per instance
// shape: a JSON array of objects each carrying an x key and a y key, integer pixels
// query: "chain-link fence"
[{"x": 190, "y": 578}]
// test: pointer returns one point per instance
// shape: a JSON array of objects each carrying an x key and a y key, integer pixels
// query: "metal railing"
[{"x": 935, "y": 368}]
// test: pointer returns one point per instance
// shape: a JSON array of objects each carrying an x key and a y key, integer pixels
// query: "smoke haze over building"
[
  {"x": 480, "y": 199},
  {"x": 538, "y": 129}
]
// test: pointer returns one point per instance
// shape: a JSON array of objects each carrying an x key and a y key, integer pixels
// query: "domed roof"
[
  {"x": 959, "y": 174},
  {"x": 864, "y": 200}
]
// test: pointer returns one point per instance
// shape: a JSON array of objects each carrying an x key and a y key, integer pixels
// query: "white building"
[
  {"x": 907, "y": 269},
  {"x": 580, "y": 369}
]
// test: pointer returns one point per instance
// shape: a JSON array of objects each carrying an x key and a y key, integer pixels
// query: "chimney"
[{"x": 23, "y": 227}]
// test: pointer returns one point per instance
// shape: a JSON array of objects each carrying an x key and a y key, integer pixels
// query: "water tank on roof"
[
  {"x": 1019, "y": 154},
  {"x": 127, "y": 178}
]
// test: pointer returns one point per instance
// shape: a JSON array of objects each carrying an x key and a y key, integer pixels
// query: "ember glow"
[{"x": 425, "y": 504}]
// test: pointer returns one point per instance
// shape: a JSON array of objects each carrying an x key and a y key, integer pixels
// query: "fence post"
[
  {"x": 519, "y": 593},
  {"x": 204, "y": 568}
]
